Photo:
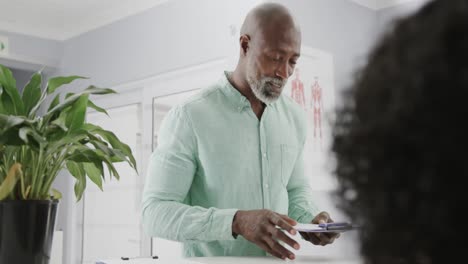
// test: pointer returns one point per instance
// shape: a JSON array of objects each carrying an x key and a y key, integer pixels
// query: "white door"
[{"x": 111, "y": 221}]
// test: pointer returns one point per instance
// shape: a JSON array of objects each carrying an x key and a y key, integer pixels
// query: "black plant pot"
[{"x": 26, "y": 231}]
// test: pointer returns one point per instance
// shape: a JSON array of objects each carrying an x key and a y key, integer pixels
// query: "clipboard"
[{"x": 337, "y": 227}]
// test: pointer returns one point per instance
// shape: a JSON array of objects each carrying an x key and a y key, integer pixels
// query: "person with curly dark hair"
[{"x": 400, "y": 142}]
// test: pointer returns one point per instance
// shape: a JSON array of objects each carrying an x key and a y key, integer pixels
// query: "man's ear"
[{"x": 244, "y": 41}]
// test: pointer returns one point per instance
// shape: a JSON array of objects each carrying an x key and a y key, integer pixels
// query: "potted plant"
[{"x": 34, "y": 148}]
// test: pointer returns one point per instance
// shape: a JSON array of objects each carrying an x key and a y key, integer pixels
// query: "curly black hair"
[{"x": 401, "y": 144}]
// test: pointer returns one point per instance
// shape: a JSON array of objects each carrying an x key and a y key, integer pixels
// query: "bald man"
[{"x": 227, "y": 177}]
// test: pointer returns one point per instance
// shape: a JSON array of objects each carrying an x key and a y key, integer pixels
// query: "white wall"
[
  {"x": 170, "y": 36},
  {"x": 32, "y": 53}
]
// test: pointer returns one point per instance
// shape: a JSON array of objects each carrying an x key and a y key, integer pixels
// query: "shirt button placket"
[{"x": 266, "y": 187}]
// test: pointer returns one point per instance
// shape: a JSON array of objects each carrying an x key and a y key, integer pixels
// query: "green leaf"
[
  {"x": 115, "y": 155},
  {"x": 113, "y": 140},
  {"x": 95, "y": 90},
  {"x": 71, "y": 98},
  {"x": 97, "y": 108},
  {"x": 76, "y": 117},
  {"x": 110, "y": 166},
  {"x": 8, "y": 107},
  {"x": 11, "y": 138},
  {"x": 56, "y": 195},
  {"x": 9, "y": 128},
  {"x": 66, "y": 103},
  {"x": 56, "y": 82},
  {"x": 94, "y": 173},
  {"x": 55, "y": 146},
  {"x": 10, "y": 99},
  {"x": 10, "y": 181},
  {"x": 6, "y": 78},
  {"x": 77, "y": 171},
  {"x": 54, "y": 102},
  {"x": 32, "y": 93},
  {"x": 60, "y": 121},
  {"x": 24, "y": 132},
  {"x": 2, "y": 108},
  {"x": 33, "y": 110},
  {"x": 9, "y": 121},
  {"x": 85, "y": 154}
]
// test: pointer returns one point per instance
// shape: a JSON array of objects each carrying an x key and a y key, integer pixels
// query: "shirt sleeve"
[{"x": 172, "y": 167}]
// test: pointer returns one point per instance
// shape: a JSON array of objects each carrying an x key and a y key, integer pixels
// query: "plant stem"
[
  {"x": 35, "y": 188},
  {"x": 50, "y": 177},
  {"x": 54, "y": 171}
]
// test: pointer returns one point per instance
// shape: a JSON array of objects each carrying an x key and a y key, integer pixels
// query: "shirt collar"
[{"x": 233, "y": 95}]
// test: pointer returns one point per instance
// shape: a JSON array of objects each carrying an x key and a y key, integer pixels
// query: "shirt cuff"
[
  {"x": 302, "y": 216},
  {"x": 306, "y": 218},
  {"x": 222, "y": 223}
]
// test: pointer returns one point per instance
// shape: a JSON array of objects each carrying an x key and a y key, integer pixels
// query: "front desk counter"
[
  {"x": 271, "y": 260},
  {"x": 235, "y": 260}
]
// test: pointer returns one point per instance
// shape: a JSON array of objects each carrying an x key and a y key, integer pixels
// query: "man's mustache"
[{"x": 274, "y": 81}]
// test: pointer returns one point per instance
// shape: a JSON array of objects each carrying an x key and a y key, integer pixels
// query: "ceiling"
[{"x": 64, "y": 19}]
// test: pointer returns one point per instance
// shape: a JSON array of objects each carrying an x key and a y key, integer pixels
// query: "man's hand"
[
  {"x": 260, "y": 227},
  {"x": 320, "y": 238}
]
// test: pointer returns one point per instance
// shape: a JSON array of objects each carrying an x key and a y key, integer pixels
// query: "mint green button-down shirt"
[{"x": 214, "y": 157}]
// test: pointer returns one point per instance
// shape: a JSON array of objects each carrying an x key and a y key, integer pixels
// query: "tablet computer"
[{"x": 336, "y": 227}]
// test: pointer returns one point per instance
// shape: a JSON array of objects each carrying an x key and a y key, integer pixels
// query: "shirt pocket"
[{"x": 289, "y": 155}]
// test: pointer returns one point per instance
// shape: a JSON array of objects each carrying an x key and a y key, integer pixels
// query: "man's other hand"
[{"x": 320, "y": 238}]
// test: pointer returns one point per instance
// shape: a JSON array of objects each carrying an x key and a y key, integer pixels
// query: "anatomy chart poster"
[{"x": 312, "y": 87}]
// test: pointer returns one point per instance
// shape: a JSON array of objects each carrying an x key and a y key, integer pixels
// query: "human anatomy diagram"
[
  {"x": 297, "y": 90},
  {"x": 317, "y": 108},
  {"x": 315, "y": 105}
]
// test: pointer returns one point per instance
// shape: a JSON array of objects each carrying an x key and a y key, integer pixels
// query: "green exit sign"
[{"x": 3, "y": 46}]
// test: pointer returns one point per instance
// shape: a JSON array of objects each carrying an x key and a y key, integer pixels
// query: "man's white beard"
[{"x": 263, "y": 88}]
